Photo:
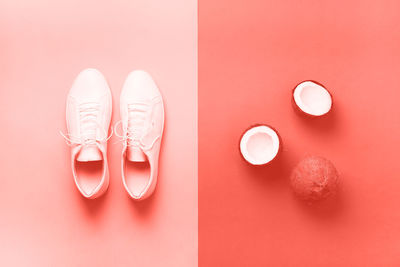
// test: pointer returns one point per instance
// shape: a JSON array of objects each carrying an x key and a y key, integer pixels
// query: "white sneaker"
[
  {"x": 88, "y": 114},
  {"x": 142, "y": 117}
]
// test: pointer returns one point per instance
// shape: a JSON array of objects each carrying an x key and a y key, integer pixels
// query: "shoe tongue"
[
  {"x": 89, "y": 153},
  {"x": 135, "y": 154}
]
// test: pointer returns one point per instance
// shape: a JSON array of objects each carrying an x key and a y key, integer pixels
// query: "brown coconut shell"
[{"x": 314, "y": 178}]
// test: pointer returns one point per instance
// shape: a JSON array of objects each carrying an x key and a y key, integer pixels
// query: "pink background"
[
  {"x": 251, "y": 55},
  {"x": 44, "y": 220}
]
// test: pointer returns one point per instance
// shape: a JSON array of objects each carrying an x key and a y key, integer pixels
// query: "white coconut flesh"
[
  {"x": 259, "y": 145},
  {"x": 312, "y": 98}
]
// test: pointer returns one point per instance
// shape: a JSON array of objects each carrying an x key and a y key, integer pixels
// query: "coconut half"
[
  {"x": 312, "y": 98},
  {"x": 259, "y": 145}
]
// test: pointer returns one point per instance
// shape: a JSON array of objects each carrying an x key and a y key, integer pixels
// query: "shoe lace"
[
  {"x": 88, "y": 113},
  {"x": 136, "y": 124}
]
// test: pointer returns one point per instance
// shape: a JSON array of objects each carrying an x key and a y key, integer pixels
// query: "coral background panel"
[
  {"x": 251, "y": 55},
  {"x": 44, "y": 221}
]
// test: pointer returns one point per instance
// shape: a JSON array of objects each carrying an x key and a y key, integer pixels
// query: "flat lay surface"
[
  {"x": 222, "y": 67},
  {"x": 251, "y": 56},
  {"x": 44, "y": 219}
]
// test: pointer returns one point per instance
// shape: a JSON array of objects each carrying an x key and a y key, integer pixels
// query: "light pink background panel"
[{"x": 44, "y": 220}]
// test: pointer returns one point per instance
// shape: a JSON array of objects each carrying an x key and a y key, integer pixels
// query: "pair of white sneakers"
[{"x": 88, "y": 115}]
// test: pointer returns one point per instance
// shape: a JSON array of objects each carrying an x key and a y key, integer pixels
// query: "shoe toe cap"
[
  {"x": 140, "y": 85},
  {"x": 89, "y": 84}
]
